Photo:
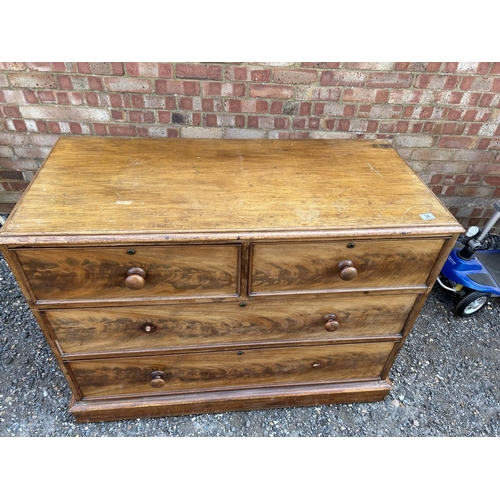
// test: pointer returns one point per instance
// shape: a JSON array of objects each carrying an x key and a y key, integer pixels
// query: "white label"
[{"x": 428, "y": 216}]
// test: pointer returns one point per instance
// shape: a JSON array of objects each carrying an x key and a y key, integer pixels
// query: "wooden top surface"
[{"x": 90, "y": 186}]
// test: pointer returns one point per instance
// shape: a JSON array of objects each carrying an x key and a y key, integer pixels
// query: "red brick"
[
  {"x": 164, "y": 116},
  {"x": 91, "y": 99},
  {"x": 260, "y": 75},
  {"x": 211, "y": 120},
  {"x": 343, "y": 125},
  {"x": 75, "y": 128},
  {"x": 165, "y": 70},
  {"x": 276, "y": 107},
  {"x": 41, "y": 126},
  {"x": 253, "y": 122},
  {"x": 239, "y": 121},
  {"x": 177, "y": 87},
  {"x": 313, "y": 123},
  {"x": 54, "y": 127},
  {"x": 240, "y": 74},
  {"x": 100, "y": 129},
  {"x": 19, "y": 125},
  {"x": 95, "y": 83},
  {"x": 122, "y": 130},
  {"x": 234, "y": 105},
  {"x": 12, "y": 111},
  {"x": 456, "y": 142},
  {"x": 199, "y": 71},
  {"x": 493, "y": 180},
  {"x": 118, "y": 115},
  {"x": 172, "y": 132},
  {"x": 402, "y": 127},
  {"x": 30, "y": 97},
  {"x": 495, "y": 69},
  {"x": 186, "y": 103},
  {"x": 295, "y": 76},
  {"x": 65, "y": 82},
  {"x": 299, "y": 123},
  {"x": 281, "y": 122},
  {"x": 46, "y": 96},
  {"x": 486, "y": 100},
  {"x": 270, "y": 91},
  {"x": 306, "y": 108},
  {"x": 330, "y": 124}
]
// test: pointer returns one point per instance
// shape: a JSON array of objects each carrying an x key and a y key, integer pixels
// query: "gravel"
[{"x": 446, "y": 383}]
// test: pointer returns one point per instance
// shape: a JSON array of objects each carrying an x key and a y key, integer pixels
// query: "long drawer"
[
  {"x": 230, "y": 369},
  {"x": 255, "y": 321},
  {"x": 126, "y": 272},
  {"x": 310, "y": 266}
]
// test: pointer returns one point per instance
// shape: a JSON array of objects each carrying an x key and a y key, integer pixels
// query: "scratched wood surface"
[
  {"x": 92, "y": 185},
  {"x": 313, "y": 266},
  {"x": 100, "y": 273},
  {"x": 202, "y": 325},
  {"x": 227, "y": 369}
]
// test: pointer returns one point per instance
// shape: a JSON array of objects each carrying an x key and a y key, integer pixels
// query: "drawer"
[
  {"x": 311, "y": 266},
  {"x": 260, "y": 321},
  {"x": 127, "y": 272},
  {"x": 230, "y": 369}
]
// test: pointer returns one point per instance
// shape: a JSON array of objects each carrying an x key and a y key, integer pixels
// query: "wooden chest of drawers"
[{"x": 189, "y": 276}]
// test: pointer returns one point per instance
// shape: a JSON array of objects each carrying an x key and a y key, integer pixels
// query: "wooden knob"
[
  {"x": 135, "y": 278},
  {"x": 347, "y": 270},
  {"x": 157, "y": 379},
  {"x": 331, "y": 323}
]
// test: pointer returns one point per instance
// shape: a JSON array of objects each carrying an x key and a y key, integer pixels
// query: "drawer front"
[
  {"x": 173, "y": 326},
  {"x": 115, "y": 272},
  {"x": 313, "y": 266},
  {"x": 231, "y": 369}
]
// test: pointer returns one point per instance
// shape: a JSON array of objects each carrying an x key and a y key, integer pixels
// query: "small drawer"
[
  {"x": 128, "y": 272},
  {"x": 256, "y": 321},
  {"x": 230, "y": 369},
  {"x": 311, "y": 266}
]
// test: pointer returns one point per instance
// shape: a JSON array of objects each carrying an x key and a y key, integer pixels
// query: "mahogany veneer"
[{"x": 188, "y": 275}]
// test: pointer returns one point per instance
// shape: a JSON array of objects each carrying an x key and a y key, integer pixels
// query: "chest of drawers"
[{"x": 190, "y": 276}]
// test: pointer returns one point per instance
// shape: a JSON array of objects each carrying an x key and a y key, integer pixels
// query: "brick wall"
[{"x": 442, "y": 118}]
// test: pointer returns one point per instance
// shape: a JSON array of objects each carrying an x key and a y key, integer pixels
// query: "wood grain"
[
  {"x": 115, "y": 329},
  {"x": 251, "y": 367},
  {"x": 94, "y": 185},
  {"x": 98, "y": 410},
  {"x": 100, "y": 273},
  {"x": 313, "y": 266}
]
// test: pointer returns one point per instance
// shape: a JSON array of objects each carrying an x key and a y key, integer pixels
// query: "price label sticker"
[{"x": 428, "y": 216}]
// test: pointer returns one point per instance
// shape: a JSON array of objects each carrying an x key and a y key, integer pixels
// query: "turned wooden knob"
[
  {"x": 135, "y": 278},
  {"x": 331, "y": 323},
  {"x": 157, "y": 379},
  {"x": 347, "y": 270}
]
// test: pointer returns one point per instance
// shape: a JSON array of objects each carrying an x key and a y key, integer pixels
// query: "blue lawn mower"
[{"x": 472, "y": 270}]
